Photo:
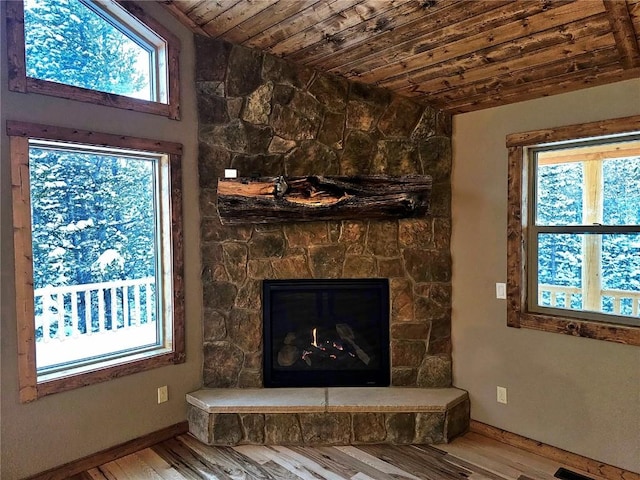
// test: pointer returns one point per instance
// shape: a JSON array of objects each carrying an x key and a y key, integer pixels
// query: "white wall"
[
  {"x": 577, "y": 394},
  {"x": 66, "y": 426}
]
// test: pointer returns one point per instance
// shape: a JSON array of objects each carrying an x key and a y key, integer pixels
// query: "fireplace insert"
[{"x": 324, "y": 333}]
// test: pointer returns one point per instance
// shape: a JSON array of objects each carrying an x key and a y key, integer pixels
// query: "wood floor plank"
[
  {"x": 478, "y": 476},
  {"x": 479, "y": 472},
  {"x": 113, "y": 471},
  {"x": 442, "y": 463},
  {"x": 474, "y": 457},
  {"x": 252, "y": 452},
  {"x": 155, "y": 461},
  {"x": 417, "y": 462},
  {"x": 324, "y": 469},
  {"x": 532, "y": 466},
  {"x": 94, "y": 474},
  {"x": 334, "y": 457},
  {"x": 276, "y": 471},
  {"x": 517, "y": 456},
  {"x": 291, "y": 464},
  {"x": 135, "y": 462},
  {"x": 376, "y": 463},
  {"x": 528, "y": 462},
  {"x": 228, "y": 459},
  {"x": 187, "y": 463},
  {"x": 362, "y": 476},
  {"x": 536, "y": 468},
  {"x": 279, "y": 472}
]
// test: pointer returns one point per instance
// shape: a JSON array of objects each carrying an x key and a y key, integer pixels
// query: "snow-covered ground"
[{"x": 69, "y": 349}]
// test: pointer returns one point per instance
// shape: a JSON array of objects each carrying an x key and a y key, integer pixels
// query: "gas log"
[{"x": 311, "y": 198}]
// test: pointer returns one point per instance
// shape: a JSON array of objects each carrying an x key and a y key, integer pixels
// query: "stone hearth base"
[{"x": 328, "y": 416}]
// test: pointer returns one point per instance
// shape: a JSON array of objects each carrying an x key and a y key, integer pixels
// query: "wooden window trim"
[
  {"x": 19, "y": 82},
  {"x": 19, "y": 134},
  {"x": 517, "y": 314}
]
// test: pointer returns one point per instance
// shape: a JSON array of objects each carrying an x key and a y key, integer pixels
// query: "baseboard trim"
[
  {"x": 553, "y": 453},
  {"x": 91, "y": 461}
]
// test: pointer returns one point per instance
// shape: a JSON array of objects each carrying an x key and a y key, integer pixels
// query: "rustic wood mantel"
[{"x": 311, "y": 198}]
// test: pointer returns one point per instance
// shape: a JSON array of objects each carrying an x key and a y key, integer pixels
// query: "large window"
[
  {"x": 98, "y": 260},
  {"x": 99, "y": 52},
  {"x": 574, "y": 230}
]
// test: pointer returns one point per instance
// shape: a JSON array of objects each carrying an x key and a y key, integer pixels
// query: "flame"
[{"x": 315, "y": 338}]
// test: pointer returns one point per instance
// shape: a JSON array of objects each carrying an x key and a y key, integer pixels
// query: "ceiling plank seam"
[{"x": 623, "y": 31}]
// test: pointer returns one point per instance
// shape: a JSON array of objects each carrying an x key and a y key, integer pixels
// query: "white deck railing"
[
  {"x": 93, "y": 319},
  {"x": 560, "y": 296},
  {"x": 105, "y": 306}
]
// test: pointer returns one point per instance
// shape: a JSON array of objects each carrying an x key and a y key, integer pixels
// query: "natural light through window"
[
  {"x": 585, "y": 239},
  {"x": 94, "y": 45},
  {"x": 97, "y": 254}
]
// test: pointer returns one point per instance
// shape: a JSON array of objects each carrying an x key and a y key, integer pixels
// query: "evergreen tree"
[
  {"x": 93, "y": 214},
  {"x": 559, "y": 202},
  {"x": 68, "y": 42},
  {"x": 92, "y": 218}
]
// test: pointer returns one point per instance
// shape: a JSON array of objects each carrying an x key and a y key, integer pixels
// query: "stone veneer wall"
[{"x": 262, "y": 115}]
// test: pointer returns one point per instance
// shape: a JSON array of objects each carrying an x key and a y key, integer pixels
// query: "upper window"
[
  {"x": 574, "y": 222},
  {"x": 98, "y": 261},
  {"x": 97, "y": 52}
]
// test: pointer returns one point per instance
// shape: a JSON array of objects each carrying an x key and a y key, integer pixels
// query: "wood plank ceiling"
[{"x": 457, "y": 55}]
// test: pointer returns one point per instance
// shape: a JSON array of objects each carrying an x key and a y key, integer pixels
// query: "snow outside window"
[
  {"x": 82, "y": 44},
  {"x": 100, "y": 52},
  {"x": 98, "y": 256},
  {"x": 584, "y": 232}
]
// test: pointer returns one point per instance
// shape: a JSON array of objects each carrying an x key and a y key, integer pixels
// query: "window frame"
[
  {"x": 20, "y": 82},
  {"x": 518, "y": 212},
  {"x": 30, "y": 387},
  {"x": 557, "y": 229}
]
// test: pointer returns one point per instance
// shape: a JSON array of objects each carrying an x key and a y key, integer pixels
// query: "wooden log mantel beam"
[
  {"x": 311, "y": 198},
  {"x": 623, "y": 32}
]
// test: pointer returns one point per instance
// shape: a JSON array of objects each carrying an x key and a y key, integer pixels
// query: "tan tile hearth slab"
[
  {"x": 334, "y": 399},
  {"x": 393, "y": 399},
  {"x": 259, "y": 400}
]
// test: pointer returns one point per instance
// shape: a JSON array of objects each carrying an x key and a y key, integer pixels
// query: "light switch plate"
[
  {"x": 501, "y": 394},
  {"x": 163, "y": 394},
  {"x": 501, "y": 290}
]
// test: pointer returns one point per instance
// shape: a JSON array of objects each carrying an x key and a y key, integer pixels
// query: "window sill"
[
  {"x": 102, "y": 372},
  {"x": 578, "y": 328},
  {"x": 69, "y": 92}
]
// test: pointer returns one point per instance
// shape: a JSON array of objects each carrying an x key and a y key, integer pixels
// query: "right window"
[
  {"x": 574, "y": 231},
  {"x": 585, "y": 238}
]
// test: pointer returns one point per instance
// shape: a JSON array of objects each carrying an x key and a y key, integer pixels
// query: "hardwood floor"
[{"x": 472, "y": 457}]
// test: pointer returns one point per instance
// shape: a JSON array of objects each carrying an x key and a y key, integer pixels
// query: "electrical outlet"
[
  {"x": 501, "y": 290},
  {"x": 163, "y": 394},
  {"x": 501, "y": 395}
]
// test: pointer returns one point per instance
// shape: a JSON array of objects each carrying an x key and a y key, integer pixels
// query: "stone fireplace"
[{"x": 264, "y": 116}]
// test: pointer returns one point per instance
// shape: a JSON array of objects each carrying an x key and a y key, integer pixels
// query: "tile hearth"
[{"x": 328, "y": 416}]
